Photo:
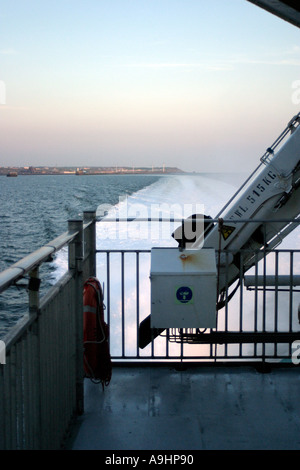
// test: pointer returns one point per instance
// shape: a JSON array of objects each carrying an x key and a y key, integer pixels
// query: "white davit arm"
[
  {"x": 268, "y": 194},
  {"x": 271, "y": 194},
  {"x": 257, "y": 216}
]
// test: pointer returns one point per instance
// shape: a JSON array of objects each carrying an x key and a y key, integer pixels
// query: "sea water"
[{"x": 35, "y": 209}]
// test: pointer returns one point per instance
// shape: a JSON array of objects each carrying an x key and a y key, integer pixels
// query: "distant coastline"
[{"x": 80, "y": 171}]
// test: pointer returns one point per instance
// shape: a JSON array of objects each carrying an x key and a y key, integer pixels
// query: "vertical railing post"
[
  {"x": 90, "y": 242},
  {"x": 75, "y": 265},
  {"x": 32, "y": 362},
  {"x": 33, "y": 289}
]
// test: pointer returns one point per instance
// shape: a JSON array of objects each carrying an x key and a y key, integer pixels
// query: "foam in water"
[{"x": 171, "y": 196}]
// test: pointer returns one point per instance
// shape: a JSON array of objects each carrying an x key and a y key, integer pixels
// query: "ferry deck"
[
  {"x": 200, "y": 408},
  {"x": 233, "y": 402}
]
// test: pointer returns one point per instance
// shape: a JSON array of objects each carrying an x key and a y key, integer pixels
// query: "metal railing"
[
  {"x": 41, "y": 383},
  {"x": 259, "y": 323}
]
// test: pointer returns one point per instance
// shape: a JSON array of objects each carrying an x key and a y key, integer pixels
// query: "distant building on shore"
[{"x": 46, "y": 170}]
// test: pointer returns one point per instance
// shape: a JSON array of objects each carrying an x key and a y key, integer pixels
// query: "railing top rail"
[
  {"x": 123, "y": 250},
  {"x": 28, "y": 263},
  {"x": 223, "y": 250},
  {"x": 214, "y": 221}
]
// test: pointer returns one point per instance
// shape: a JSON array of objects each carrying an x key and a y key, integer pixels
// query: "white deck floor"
[{"x": 159, "y": 408}]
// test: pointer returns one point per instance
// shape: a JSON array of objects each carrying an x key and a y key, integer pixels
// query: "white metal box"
[{"x": 183, "y": 288}]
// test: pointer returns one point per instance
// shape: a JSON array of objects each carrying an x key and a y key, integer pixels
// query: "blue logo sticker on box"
[{"x": 184, "y": 295}]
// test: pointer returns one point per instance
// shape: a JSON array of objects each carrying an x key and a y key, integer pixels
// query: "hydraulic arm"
[{"x": 257, "y": 217}]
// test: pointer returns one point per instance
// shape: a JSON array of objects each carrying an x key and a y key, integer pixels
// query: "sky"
[{"x": 200, "y": 85}]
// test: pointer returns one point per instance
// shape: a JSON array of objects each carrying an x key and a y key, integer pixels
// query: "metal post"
[
  {"x": 33, "y": 288},
  {"x": 90, "y": 241},
  {"x": 75, "y": 264},
  {"x": 76, "y": 246},
  {"x": 34, "y": 371}
]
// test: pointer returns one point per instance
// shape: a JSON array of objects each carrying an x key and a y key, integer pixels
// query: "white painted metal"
[
  {"x": 271, "y": 194},
  {"x": 261, "y": 197},
  {"x": 256, "y": 218},
  {"x": 183, "y": 288},
  {"x": 268, "y": 280}
]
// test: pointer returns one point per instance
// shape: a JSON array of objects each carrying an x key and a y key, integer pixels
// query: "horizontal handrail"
[
  {"x": 213, "y": 221},
  {"x": 28, "y": 263},
  {"x": 268, "y": 280},
  {"x": 125, "y": 250}
]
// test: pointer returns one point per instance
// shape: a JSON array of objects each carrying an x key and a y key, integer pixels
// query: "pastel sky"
[{"x": 201, "y": 85}]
